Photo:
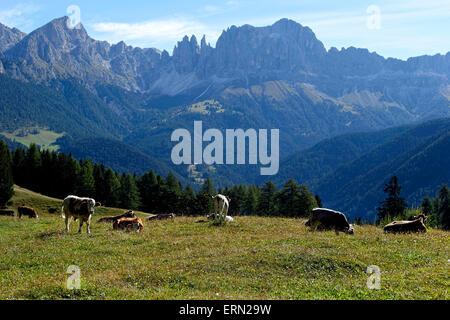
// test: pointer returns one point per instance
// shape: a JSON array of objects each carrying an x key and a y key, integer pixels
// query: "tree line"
[{"x": 59, "y": 175}]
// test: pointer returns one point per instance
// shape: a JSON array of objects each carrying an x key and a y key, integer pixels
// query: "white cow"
[
  {"x": 78, "y": 208},
  {"x": 221, "y": 205}
]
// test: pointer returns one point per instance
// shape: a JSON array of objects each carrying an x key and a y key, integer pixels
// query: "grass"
[
  {"x": 41, "y": 137},
  {"x": 253, "y": 258}
]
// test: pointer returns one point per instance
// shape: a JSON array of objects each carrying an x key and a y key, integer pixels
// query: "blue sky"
[{"x": 399, "y": 29}]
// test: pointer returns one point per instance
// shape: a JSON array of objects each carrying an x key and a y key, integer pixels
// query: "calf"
[
  {"x": 27, "y": 211},
  {"x": 7, "y": 212},
  {"x": 416, "y": 225},
  {"x": 162, "y": 217},
  {"x": 327, "y": 219},
  {"x": 129, "y": 224},
  {"x": 127, "y": 214}
]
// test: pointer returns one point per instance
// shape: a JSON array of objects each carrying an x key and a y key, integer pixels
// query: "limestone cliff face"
[{"x": 244, "y": 56}]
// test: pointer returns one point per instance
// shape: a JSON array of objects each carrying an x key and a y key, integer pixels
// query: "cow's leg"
[
  {"x": 89, "y": 225},
  {"x": 337, "y": 231},
  {"x": 81, "y": 225},
  {"x": 67, "y": 222}
]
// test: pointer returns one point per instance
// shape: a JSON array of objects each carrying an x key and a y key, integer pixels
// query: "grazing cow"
[
  {"x": 127, "y": 214},
  {"x": 327, "y": 219},
  {"x": 162, "y": 217},
  {"x": 78, "y": 208},
  {"x": 27, "y": 211},
  {"x": 7, "y": 212},
  {"x": 221, "y": 204},
  {"x": 129, "y": 224},
  {"x": 416, "y": 225}
]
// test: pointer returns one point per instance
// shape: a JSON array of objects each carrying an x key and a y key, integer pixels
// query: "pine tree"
[
  {"x": 189, "y": 200},
  {"x": 268, "y": 205},
  {"x": 393, "y": 205},
  {"x": 307, "y": 202},
  {"x": 6, "y": 174},
  {"x": 251, "y": 201},
  {"x": 288, "y": 199},
  {"x": 112, "y": 183},
  {"x": 86, "y": 182},
  {"x": 129, "y": 192},
  {"x": 205, "y": 204},
  {"x": 33, "y": 167},
  {"x": 149, "y": 190},
  {"x": 19, "y": 173},
  {"x": 237, "y": 195},
  {"x": 171, "y": 194},
  {"x": 444, "y": 208}
]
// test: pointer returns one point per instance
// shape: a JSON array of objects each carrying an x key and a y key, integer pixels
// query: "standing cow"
[
  {"x": 27, "y": 211},
  {"x": 78, "y": 208},
  {"x": 327, "y": 219}
]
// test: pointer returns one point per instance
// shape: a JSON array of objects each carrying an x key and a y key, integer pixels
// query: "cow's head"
[
  {"x": 129, "y": 214},
  {"x": 91, "y": 205},
  {"x": 350, "y": 230}
]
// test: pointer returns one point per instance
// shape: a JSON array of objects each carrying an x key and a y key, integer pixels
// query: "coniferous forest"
[{"x": 59, "y": 175}]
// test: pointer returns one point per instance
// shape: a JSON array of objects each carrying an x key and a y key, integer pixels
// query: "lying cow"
[
  {"x": 78, "y": 208},
  {"x": 27, "y": 211},
  {"x": 162, "y": 217},
  {"x": 129, "y": 224},
  {"x": 221, "y": 205},
  {"x": 416, "y": 225},
  {"x": 214, "y": 216},
  {"x": 7, "y": 212},
  {"x": 127, "y": 214},
  {"x": 327, "y": 219}
]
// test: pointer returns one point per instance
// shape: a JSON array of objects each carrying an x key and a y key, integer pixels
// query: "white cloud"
[
  {"x": 18, "y": 16},
  {"x": 153, "y": 32}
]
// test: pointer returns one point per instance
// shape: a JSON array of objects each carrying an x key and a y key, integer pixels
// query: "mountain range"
[{"x": 280, "y": 76}]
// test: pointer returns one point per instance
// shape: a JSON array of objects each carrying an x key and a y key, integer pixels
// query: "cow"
[
  {"x": 27, "y": 211},
  {"x": 129, "y": 224},
  {"x": 127, "y": 214},
  {"x": 162, "y": 217},
  {"x": 78, "y": 208},
  {"x": 221, "y": 205},
  {"x": 214, "y": 216},
  {"x": 416, "y": 225},
  {"x": 7, "y": 212},
  {"x": 327, "y": 219}
]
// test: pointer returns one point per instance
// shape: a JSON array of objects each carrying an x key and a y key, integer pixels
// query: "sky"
[{"x": 398, "y": 29}]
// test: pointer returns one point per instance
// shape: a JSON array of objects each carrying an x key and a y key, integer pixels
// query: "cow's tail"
[{"x": 62, "y": 212}]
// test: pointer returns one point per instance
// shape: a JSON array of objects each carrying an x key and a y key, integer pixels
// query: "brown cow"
[
  {"x": 127, "y": 214},
  {"x": 162, "y": 217},
  {"x": 7, "y": 212},
  {"x": 416, "y": 225},
  {"x": 129, "y": 224},
  {"x": 27, "y": 211}
]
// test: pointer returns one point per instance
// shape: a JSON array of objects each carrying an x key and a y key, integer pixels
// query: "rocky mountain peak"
[{"x": 9, "y": 37}]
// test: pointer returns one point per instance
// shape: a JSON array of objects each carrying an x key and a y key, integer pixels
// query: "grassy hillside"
[{"x": 254, "y": 258}]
